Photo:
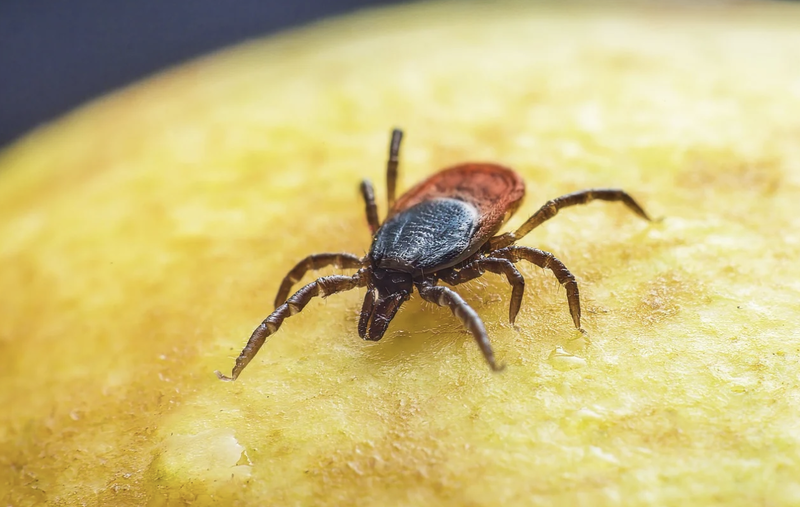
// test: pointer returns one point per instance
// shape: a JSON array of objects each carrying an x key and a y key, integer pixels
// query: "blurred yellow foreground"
[{"x": 144, "y": 237}]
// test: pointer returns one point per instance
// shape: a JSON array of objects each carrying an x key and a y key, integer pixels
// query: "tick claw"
[
  {"x": 222, "y": 377},
  {"x": 582, "y": 338},
  {"x": 498, "y": 368}
]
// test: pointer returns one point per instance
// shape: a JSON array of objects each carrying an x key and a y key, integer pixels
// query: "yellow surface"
[{"x": 144, "y": 236}]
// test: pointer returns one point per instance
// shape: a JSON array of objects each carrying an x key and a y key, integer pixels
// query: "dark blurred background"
[{"x": 56, "y": 55}]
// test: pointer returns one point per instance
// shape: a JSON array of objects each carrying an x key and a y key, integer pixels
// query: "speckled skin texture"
[{"x": 144, "y": 236}]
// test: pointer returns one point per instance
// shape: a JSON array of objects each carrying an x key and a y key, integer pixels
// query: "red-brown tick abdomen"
[{"x": 494, "y": 190}]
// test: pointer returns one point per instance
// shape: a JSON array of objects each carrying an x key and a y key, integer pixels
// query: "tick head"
[
  {"x": 388, "y": 290},
  {"x": 389, "y": 282}
]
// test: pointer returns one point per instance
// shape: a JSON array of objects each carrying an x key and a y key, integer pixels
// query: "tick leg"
[
  {"x": 316, "y": 261},
  {"x": 371, "y": 208},
  {"x": 444, "y": 296},
  {"x": 551, "y": 208},
  {"x": 323, "y": 287},
  {"x": 546, "y": 260},
  {"x": 476, "y": 269},
  {"x": 391, "y": 165}
]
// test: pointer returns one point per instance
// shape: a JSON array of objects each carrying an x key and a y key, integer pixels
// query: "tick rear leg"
[
  {"x": 368, "y": 192},
  {"x": 323, "y": 287},
  {"x": 391, "y": 165},
  {"x": 546, "y": 260},
  {"x": 444, "y": 296},
  {"x": 551, "y": 208},
  {"x": 315, "y": 261},
  {"x": 476, "y": 269}
]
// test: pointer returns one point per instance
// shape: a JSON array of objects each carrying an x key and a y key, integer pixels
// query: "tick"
[{"x": 443, "y": 229}]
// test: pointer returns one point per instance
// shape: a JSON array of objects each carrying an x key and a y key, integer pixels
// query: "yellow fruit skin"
[{"x": 144, "y": 237}]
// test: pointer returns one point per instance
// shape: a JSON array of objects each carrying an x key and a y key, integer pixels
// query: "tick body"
[{"x": 445, "y": 229}]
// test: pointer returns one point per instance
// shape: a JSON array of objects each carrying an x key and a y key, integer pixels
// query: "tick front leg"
[
  {"x": 444, "y": 296},
  {"x": 323, "y": 287},
  {"x": 316, "y": 261},
  {"x": 391, "y": 165},
  {"x": 546, "y": 260},
  {"x": 368, "y": 192},
  {"x": 476, "y": 269},
  {"x": 552, "y": 207}
]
